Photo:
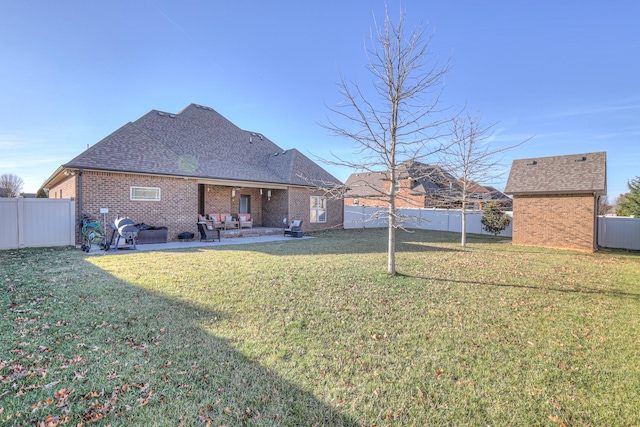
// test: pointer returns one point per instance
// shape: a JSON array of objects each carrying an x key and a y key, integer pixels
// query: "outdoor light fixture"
[
  {"x": 269, "y": 195},
  {"x": 233, "y": 192},
  {"x": 261, "y": 191},
  {"x": 66, "y": 172}
]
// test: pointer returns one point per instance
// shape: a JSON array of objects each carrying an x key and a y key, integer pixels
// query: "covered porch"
[{"x": 265, "y": 204}]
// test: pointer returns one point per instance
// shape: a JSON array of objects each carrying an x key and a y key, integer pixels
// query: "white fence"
[
  {"x": 36, "y": 222},
  {"x": 425, "y": 219},
  {"x": 619, "y": 232}
]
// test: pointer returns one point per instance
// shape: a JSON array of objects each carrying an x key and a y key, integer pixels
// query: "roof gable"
[
  {"x": 199, "y": 142},
  {"x": 128, "y": 149},
  {"x": 365, "y": 184},
  {"x": 575, "y": 173}
]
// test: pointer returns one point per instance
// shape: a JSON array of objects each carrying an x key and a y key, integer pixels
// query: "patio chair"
[
  {"x": 208, "y": 233},
  {"x": 245, "y": 220},
  {"x": 203, "y": 218},
  {"x": 216, "y": 220},
  {"x": 296, "y": 225}
]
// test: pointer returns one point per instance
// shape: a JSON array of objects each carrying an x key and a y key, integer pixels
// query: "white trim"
[
  {"x": 318, "y": 210},
  {"x": 139, "y": 199}
]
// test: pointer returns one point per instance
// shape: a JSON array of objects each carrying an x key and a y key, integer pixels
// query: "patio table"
[{"x": 233, "y": 224}]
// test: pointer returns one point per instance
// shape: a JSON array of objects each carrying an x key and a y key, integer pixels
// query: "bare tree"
[
  {"x": 399, "y": 117},
  {"x": 604, "y": 207},
  {"x": 10, "y": 185},
  {"x": 473, "y": 159}
]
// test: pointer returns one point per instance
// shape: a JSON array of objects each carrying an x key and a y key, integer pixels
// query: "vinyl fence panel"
[
  {"x": 425, "y": 219},
  {"x": 8, "y": 223},
  {"x": 36, "y": 222},
  {"x": 619, "y": 232}
]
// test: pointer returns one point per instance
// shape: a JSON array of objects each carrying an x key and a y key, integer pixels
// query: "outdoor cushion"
[
  {"x": 228, "y": 218},
  {"x": 243, "y": 218}
]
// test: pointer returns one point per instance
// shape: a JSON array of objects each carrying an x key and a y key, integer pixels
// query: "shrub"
[{"x": 494, "y": 219}]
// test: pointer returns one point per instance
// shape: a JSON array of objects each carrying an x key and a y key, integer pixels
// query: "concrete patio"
[{"x": 196, "y": 243}]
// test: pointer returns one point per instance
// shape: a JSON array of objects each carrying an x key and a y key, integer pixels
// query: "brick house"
[
  {"x": 164, "y": 169},
  {"x": 555, "y": 200},
  {"x": 418, "y": 186}
]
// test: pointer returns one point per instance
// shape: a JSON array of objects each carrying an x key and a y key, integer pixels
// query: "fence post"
[
  {"x": 20, "y": 221},
  {"x": 74, "y": 222}
]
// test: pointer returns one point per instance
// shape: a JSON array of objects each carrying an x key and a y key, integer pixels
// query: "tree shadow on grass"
[
  {"x": 580, "y": 290},
  {"x": 367, "y": 241},
  {"x": 113, "y": 352}
]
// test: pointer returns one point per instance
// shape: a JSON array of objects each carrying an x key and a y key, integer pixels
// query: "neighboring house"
[
  {"x": 164, "y": 169},
  {"x": 555, "y": 200},
  {"x": 419, "y": 186},
  {"x": 496, "y": 195}
]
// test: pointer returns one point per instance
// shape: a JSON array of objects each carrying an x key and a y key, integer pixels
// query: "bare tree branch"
[
  {"x": 398, "y": 118},
  {"x": 472, "y": 158}
]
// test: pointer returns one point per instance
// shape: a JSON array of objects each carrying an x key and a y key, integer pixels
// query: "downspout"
[
  {"x": 597, "y": 220},
  {"x": 79, "y": 194}
]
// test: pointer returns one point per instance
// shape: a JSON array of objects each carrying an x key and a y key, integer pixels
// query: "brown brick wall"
[
  {"x": 300, "y": 208},
  {"x": 218, "y": 200},
  {"x": 562, "y": 221},
  {"x": 403, "y": 198},
  {"x": 274, "y": 210},
  {"x": 65, "y": 190},
  {"x": 177, "y": 209}
]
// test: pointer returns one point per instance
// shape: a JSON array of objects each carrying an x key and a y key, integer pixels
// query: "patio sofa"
[
  {"x": 245, "y": 220},
  {"x": 217, "y": 220}
]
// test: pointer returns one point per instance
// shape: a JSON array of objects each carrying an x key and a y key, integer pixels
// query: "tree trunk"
[
  {"x": 391, "y": 264},
  {"x": 464, "y": 226}
]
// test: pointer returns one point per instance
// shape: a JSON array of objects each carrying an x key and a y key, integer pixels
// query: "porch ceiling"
[{"x": 246, "y": 184}]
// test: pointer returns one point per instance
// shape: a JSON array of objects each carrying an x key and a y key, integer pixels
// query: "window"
[
  {"x": 245, "y": 203},
  {"x": 145, "y": 193},
  {"x": 318, "y": 209}
]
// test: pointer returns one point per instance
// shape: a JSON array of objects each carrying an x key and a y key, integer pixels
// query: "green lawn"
[{"x": 314, "y": 332}]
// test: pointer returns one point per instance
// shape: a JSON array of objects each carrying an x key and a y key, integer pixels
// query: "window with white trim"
[
  {"x": 145, "y": 193},
  {"x": 318, "y": 211}
]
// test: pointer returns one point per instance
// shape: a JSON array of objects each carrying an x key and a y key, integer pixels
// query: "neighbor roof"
[
  {"x": 574, "y": 173},
  {"x": 198, "y": 142},
  {"x": 426, "y": 179},
  {"x": 365, "y": 184}
]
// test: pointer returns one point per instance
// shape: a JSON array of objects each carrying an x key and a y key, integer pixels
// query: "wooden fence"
[{"x": 36, "y": 222}]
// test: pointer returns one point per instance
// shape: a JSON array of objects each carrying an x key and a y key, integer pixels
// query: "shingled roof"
[
  {"x": 426, "y": 179},
  {"x": 198, "y": 142},
  {"x": 570, "y": 174}
]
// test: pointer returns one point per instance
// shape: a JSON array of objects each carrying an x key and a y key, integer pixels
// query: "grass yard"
[{"x": 314, "y": 332}]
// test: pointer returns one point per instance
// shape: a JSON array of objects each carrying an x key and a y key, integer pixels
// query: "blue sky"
[{"x": 72, "y": 72}]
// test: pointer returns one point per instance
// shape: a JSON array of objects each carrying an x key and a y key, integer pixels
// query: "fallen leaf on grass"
[{"x": 557, "y": 420}]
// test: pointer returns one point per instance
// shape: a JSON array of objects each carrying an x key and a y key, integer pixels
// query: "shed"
[{"x": 555, "y": 200}]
